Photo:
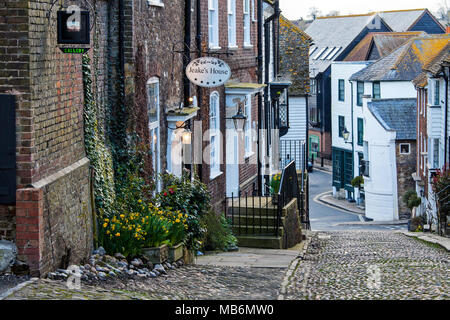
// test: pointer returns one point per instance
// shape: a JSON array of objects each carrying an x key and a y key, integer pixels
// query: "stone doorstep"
[{"x": 431, "y": 238}]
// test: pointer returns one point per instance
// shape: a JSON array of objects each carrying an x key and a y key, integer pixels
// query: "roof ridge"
[{"x": 370, "y": 13}]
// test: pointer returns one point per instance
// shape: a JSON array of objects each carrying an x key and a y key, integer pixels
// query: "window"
[
  {"x": 214, "y": 129},
  {"x": 341, "y": 126},
  {"x": 254, "y": 11},
  {"x": 437, "y": 93},
  {"x": 436, "y": 153},
  {"x": 376, "y": 90},
  {"x": 360, "y": 93},
  {"x": 213, "y": 24},
  {"x": 153, "y": 109},
  {"x": 248, "y": 126},
  {"x": 247, "y": 29},
  {"x": 360, "y": 131},
  {"x": 232, "y": 23},
  {"x": 405, "y": 148},
  {"x": 341, "y": 90},
  {"x": 158, "y": 3},
  {"x": 313, "y": 86}
]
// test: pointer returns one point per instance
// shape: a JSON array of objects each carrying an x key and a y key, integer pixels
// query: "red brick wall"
[{"x": 421, "y": 160}]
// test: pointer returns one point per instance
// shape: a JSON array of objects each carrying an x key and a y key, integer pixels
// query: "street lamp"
[
  {"x": 345, "y": 135},
  {"x": 239, "y": 118}
]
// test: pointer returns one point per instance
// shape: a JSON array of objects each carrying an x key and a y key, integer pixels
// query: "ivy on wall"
[{"x": 96, "y": 149}]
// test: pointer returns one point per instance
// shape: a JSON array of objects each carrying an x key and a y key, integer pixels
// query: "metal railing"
[{"x": 293, "y": 150}]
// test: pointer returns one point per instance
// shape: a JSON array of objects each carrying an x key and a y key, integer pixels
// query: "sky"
[{"x": 294, "y": 9}]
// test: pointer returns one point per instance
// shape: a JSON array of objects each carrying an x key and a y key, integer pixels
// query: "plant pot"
[
  {"x": 188, "y": 256},
  {"x": 275, "y": 199},
  {"x": 176, "y": 252},
  {"x": 157, "y": 255}
]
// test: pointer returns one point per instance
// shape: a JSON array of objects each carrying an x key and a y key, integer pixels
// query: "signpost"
[{"x": 208, "y": 72}]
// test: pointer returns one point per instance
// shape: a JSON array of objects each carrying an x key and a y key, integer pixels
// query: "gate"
[{"x": 7, "y": 149}]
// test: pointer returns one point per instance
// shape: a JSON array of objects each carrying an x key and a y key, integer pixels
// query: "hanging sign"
[
  {"x": 208, "y": 72},
  {"x": 73, "y": 26}
]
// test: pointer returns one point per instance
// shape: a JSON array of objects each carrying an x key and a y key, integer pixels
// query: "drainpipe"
[
  {"x": 446, "y": 76},
  {"x": 260, "y": 97},
  {"x": 187, "y": 49},
  {"x": 198, "y": 39},
  {"x": 353, "y": 135}
]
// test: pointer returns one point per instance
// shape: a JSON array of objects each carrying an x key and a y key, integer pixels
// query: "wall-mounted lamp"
[
  {"x": 186, "y": 136},
  {"x": 346, "y": 135},
  {"x": 239, "y": 118}
]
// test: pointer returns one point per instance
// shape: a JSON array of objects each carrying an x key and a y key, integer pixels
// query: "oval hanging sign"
[{"x": 208, "y": 72}]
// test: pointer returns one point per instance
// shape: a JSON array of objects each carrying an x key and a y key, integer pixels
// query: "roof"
[
  {"x": 406, "y": 62},
  {"x": 402, "y": 20},
  {"x": 434, "y": 67},
  {"x": 293, "y": 27},
  {"x": 331, "y": 36},
  {"x": 380, "y": 44},
  {"x": 397, "y": 115}
]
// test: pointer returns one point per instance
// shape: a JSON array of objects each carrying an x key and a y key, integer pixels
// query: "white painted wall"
[
  {"x": 381, "y": 187},
  {"x": 297, "y": 130}
]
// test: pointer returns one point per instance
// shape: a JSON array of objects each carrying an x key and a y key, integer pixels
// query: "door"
[{"x": 7, "y": 149}]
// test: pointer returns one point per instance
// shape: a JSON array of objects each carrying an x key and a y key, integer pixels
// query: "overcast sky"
[{"x": 294, "y": 9}]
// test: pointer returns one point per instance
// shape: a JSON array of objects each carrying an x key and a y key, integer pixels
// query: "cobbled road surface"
[
  {"x": 370, "y": 265},
  {"x": 186, "y": 283},
  {"x": 337, "y": 265}
]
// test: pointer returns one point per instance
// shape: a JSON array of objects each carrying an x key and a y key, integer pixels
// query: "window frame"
[
  {"x": 214, "y": 133},
  {"x": 359, "y": 95},
  {"x": 360, "y": 128},
  {"x": 378, "y": 84},
  {"x": 341, "y": 90},
  {"x": 339, "y": 126},
  {"x": 213, "y": 29},
  {"x": 247, "y": 24},
  {"x": 404, "y": 144},
  {"x": 155, "y": 129},
  {"x": 231, "y": 15},
  {"x": 437, "y": 93}
]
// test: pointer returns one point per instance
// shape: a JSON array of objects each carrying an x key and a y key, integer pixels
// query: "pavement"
[
  {"x": 430, "y": 238},
  {"x": 251, "y": 257}
]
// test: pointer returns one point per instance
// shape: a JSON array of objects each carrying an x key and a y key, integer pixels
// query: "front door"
[{"x": 7, "y": 149}]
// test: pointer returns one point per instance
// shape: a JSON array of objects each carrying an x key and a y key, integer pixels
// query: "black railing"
[
  {"x": 261, "y": 215},
  {"x": 293, "y": 150}
]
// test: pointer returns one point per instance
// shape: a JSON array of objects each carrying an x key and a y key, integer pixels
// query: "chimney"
[{"x": 448, "y": 29}]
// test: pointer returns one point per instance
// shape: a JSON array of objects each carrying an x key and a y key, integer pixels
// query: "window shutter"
[{"x": 7, "y": 149}]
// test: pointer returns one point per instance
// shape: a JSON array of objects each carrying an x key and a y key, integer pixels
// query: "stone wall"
[
  {"x": 406, "y": 166},
  {"x": 292, "y": 225},
  {"x": 7, "y": 222}
]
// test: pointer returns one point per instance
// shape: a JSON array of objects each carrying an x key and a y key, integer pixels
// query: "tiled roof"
[
  {"x": 333, "y": 33},
  {"x": 406, "y": 62},
  {"x": 433, "y": 67},
  {"x": 383, "y": 42},
  {"x": 397, "y": 115}
]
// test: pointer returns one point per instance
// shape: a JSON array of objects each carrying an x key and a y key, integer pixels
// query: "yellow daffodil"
[{"x": 118, "y": 234}]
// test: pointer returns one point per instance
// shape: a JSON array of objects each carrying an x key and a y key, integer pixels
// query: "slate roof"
[
  {"x": 397, "y": 115},
  {"x": 402, "y": 20},
  {"x": 334, "y": 32},
  {"x": 383, "y": 43},
  {"x": 406, "y": 62}
]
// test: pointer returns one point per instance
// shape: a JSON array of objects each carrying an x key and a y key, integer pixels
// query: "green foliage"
[
  {"x": 219, "y": 235},
  {"x": 411, "y": 199},
  {"x": 192, "y": 198},
  {"x": 357, "y": 182},
  {"x": 96, "y": 150},
  {"x": 275, "y": 184}
]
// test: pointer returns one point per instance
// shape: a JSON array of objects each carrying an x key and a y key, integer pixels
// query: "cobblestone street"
[
  {"x": 186, "y": 283},
  {"x": 337, "y": 265},
  {"x": 370, "y": 265}
]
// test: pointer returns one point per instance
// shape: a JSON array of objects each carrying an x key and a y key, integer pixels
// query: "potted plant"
[
  {"x": 275, "y": 187},
  {"x": 411, "y": 200},
  {"x": 356, "y": 183}
]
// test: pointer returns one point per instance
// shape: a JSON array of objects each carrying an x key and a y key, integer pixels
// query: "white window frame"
[
  {"x": 213, "y": 24},
  {"x": 247, "y": 24},
  {"x": 231, "y": 7},
  {"x": 214, "y": 135},
  {"x": 404, "y": 144},
  {"x": 436, "y": 157},
  {"x": 156, "y": 3},
  {"x": 254, "y": 11},
  {"x": 155, "y": 132},
  {"x": 248, "y": 142}
]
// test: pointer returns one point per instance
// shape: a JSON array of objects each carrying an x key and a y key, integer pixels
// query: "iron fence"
[{"x": 293, "y": 150}]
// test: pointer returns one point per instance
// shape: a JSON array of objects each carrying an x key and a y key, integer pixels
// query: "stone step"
[
  {"x": 256, "y": 220},
  {"x": 271, "y": 212},
  {"x": 256, "y": 230},
  {"x": 263, "y": 242}
]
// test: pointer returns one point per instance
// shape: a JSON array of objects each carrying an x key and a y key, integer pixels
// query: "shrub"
[
  {"x": 192, "y": 199},
  {"x": 411, "y": 199},
  {"x": 219, "y": 235},
  {"x": 357, "y": 182}
]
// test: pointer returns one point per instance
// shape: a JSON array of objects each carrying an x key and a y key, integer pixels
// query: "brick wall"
[
  {"x": 406, "y": 166},
  {"x": 7, "y": 222}
]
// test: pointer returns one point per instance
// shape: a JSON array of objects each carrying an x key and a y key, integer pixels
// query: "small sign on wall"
[
  {"x": 208, "y": 72},
  {"x": 73, "y": 26}
]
